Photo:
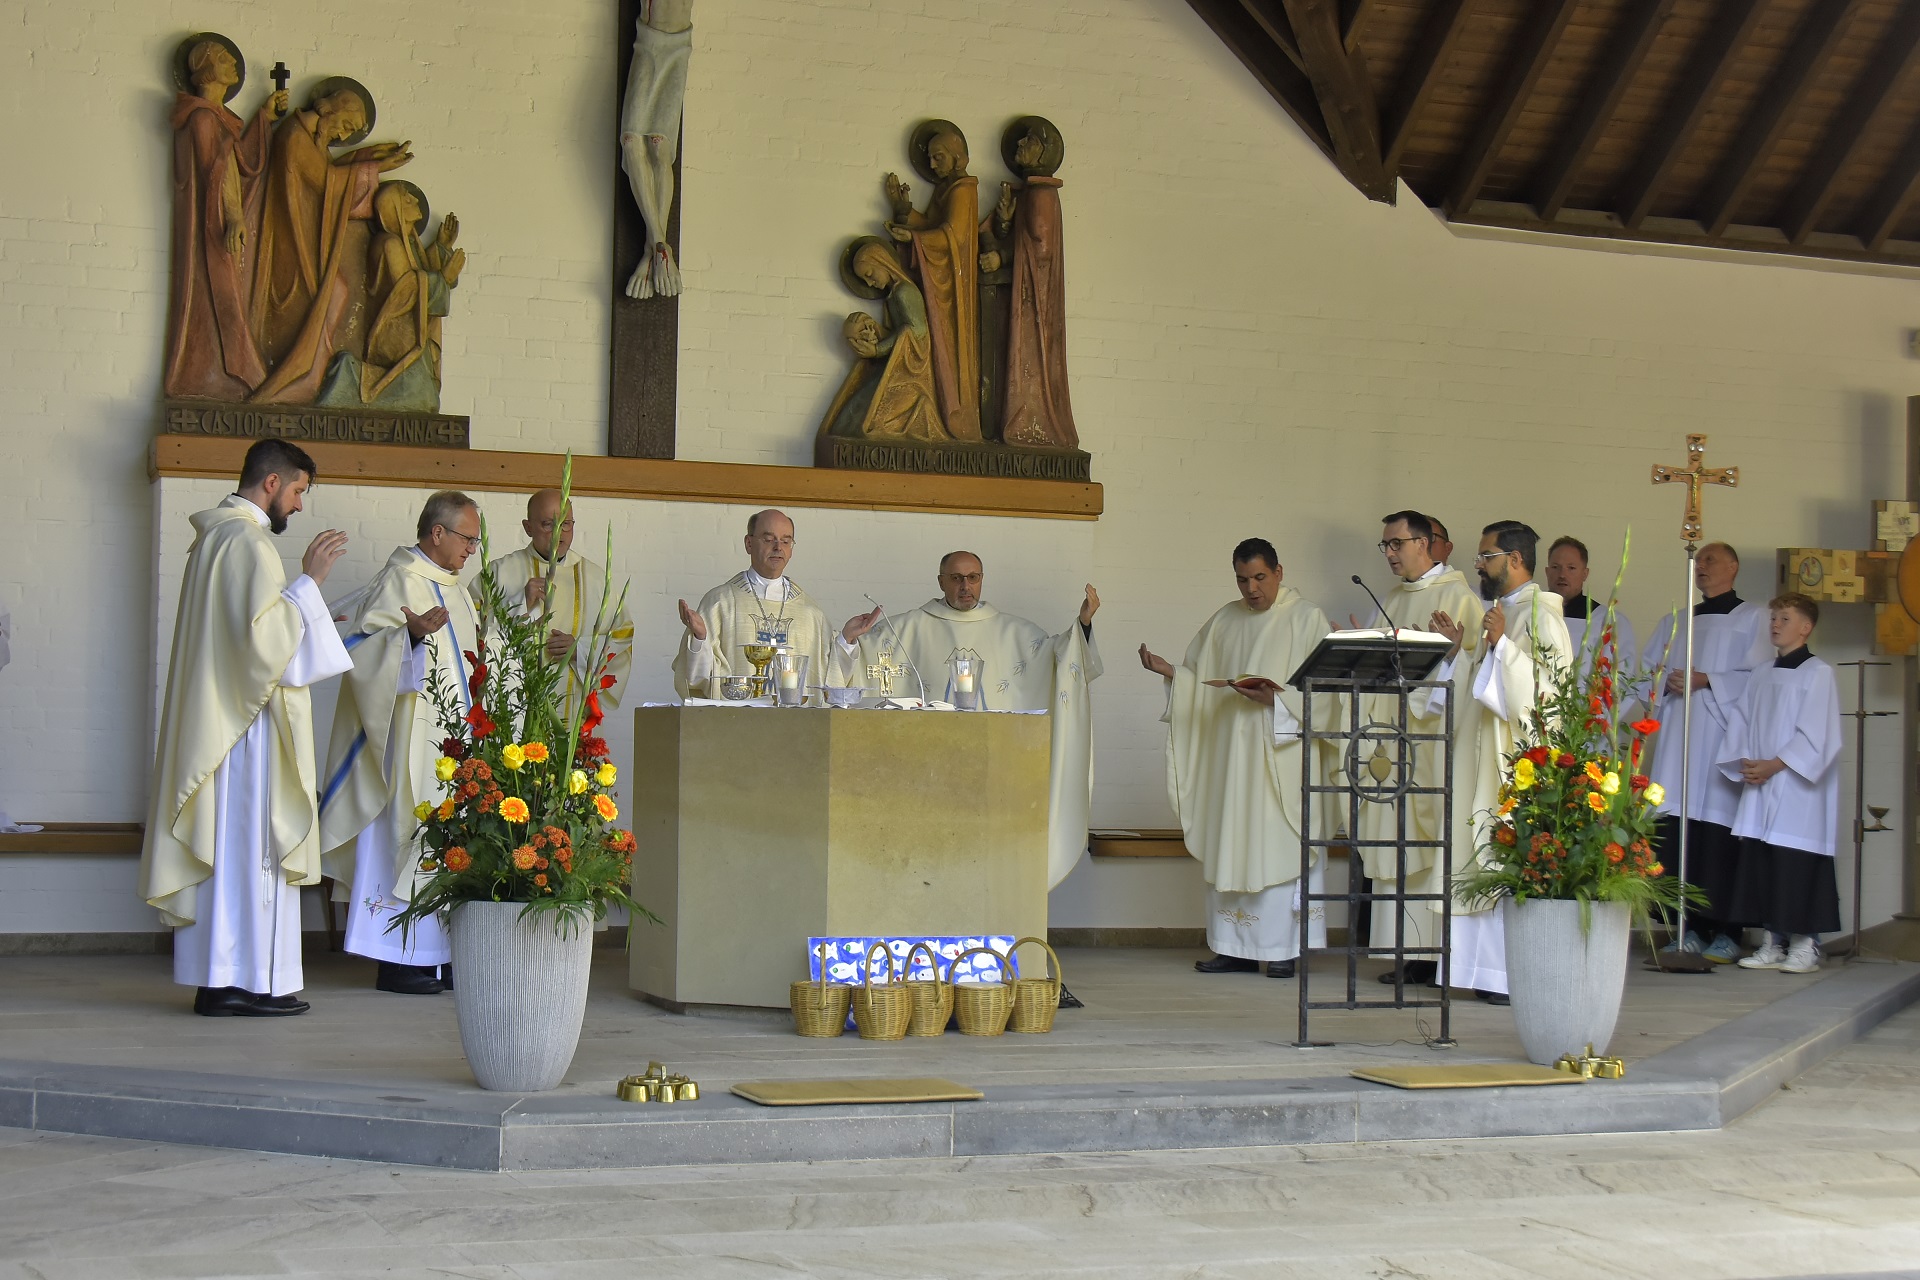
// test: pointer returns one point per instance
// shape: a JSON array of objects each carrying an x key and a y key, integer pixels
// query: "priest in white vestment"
[
  {"x": 758, "y": 605},
  {"x": 413, "y": 620},
  {"x": 1524, "y": 644},
  {"x": 572, "y": 593},
  {"x": 1234, "y": 756},
  {"x": 1730, "y": 638},
  {"x": 1783, "y": 749},
  {"x": 1026, "y": 670},
  {"x": 1423, "y": 586},
  {"x": 231, "y": 829}
]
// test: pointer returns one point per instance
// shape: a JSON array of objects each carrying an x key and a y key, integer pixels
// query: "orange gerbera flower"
[
  {"x": 1615, "y": 852},
  {"x": 1593, "y": 771},
  {"x": 535, "y": 751},
  {"x": 541, "y": 881},
  {"x": 1596, "y": 802},
  {"x": 446, "y": 810},
  {"x": 514, "y": 809},
  {"x": 605, "y": 806},
  {"x": 524, "y": 857},
  {"x": 458, "y": 859}
]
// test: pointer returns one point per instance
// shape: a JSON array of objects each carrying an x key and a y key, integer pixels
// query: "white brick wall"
[{"x": 1255, "y": 348}]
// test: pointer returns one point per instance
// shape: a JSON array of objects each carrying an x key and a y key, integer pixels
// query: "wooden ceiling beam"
[
  {"x": 1424, "y": 69},
  {"x": 1279, "y": 28},
  {"x": 1524, "y": 69},
  {"x": 1865, "y": 107},
  {"x": 1695, "y": 91},
  {"x": 1774, "y": 110},
  {"x": 1275, "y": 71},
  {"x": 1892, "y": 198},
  {"x": 1607, "y": 85},
  {"x": 1345, "y": 93},
  {"x": 1353, "y": 21}
]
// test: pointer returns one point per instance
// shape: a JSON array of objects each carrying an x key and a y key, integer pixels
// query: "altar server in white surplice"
[
  {"x": 231, "y": 831},
  {"x": 760, "y": 605},
  {"x": 1233, "y": 765},
  {"x": 1523, "y": 644},
  {"x": 1783, "y": 749},
  {"x": 1730, "y": 644},
  {"x": 413, "y": 620},
  {"x": 1423, "y": 586},
  {"x": 1587, "y": 620},
  {"x": 1026, "y": 670},
  {"x": 573, "y": 591}
]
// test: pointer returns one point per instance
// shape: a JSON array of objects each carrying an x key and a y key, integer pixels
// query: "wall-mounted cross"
[{"x": 1693, "y": 475}]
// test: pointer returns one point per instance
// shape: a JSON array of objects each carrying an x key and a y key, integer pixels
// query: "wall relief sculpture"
[{"x": 964, "y": 371}]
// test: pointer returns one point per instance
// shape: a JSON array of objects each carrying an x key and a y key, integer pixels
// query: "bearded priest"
[
  {"x": 573, "y": 591},
  {"x": 1026, "y": 670},
  {"x": 413, "y": 621},
  {"x": 1424, "y": 584},
  {"x": 759, "y": 605},
  {"x": 1234, "y": 758},
  {"x": 231, "y": 832},
  {"x": 1523, "y": 648}
]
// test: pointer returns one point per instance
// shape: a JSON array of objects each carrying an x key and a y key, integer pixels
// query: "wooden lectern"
[{"x": 759, "y": 827}]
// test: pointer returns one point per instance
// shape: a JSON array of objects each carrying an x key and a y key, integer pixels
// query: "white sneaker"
[
  {"x": 1769, "y": 956},
  {"x": 1803, "y": 956},
  {"x": 1692, "y": 944}
]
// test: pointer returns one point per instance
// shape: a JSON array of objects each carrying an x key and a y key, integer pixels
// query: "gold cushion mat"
[
  {"x": 1485, "y": 1075},
  {"x": 826, "y": 1093}
]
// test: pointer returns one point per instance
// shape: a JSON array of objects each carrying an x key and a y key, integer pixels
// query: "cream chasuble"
[
  {"x": 1411, "y": 605},
  {"x": 1505, "y": 683},
  {"x": 738, "y": 611},
  {"x": 1027, "y": 670},
  {"x": 386, "y": 736},
  {"x": 234, "y": 776},
  {"x": 574, "y": 596}
]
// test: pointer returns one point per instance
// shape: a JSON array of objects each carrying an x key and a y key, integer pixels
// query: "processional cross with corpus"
[{"x": 1695, "y": 474}]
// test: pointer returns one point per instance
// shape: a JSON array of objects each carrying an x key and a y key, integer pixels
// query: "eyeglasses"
[
  {"x": 472, "y": 539},
  {"x": 1485, "y": 556},
  {"x": 1391, "y": 545},
  {"x": 768, "y": 540}
]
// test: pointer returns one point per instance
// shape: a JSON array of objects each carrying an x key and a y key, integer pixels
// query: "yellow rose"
[
  {"x": 513, "y": 757},
  {"x": 422, "y": 810},
  {"x": 1522, "y": 774},
  {"x": 443, "y": 768},
  {"x": 577, "y": 783},
  {"x": 605, "y": 774},
  {"x": 1611, "y": 784},
  {"x": 1655, "y": 793}
]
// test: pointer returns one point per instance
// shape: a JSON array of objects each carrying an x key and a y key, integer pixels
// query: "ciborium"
[{"x": 761, "y": 656}]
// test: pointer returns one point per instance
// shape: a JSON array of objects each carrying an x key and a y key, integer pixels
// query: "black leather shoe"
[
  {"x": 446, "y": 974},
  {"x": 1227, "y": 964},
  {"x": 1418, "y": 972},
  {"x": 1492, "y": 997},
  {"x": 1279, "y": 968},
  {"x": 222, "y": 1002},
  {"x": 284, "y": 1006},
  {"x": 1068, "y": 1000},
  {"x": 408, "y": 980}
]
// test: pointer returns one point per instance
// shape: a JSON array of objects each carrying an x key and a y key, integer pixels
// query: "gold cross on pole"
[{"x": 1693, "y": 475}]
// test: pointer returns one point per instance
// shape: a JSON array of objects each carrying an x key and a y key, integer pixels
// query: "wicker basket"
[
  {"x": 819, "y": 1010},
  {"x": 932, "y": 1001},
  {"x": 882, "y": 1012},
  {"x": 982, "y": 1007},
  {"x": 1035, "y": 1000}
]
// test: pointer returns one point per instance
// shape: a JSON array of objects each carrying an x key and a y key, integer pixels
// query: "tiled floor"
[{"x": 1823, "y": 1180}]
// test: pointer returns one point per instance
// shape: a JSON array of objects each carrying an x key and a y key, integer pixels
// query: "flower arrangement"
[
  {"x": 529, "y": 809},
  {"x": 1576, "y": 815}
]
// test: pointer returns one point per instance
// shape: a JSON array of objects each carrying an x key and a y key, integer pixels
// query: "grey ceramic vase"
[
  {"x": 520, "y": 990},
  {"x": 1565, "y": 983}
]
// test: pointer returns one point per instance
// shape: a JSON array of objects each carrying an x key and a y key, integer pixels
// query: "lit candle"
[
  {"x": 963, "y": 680},
  {"x": 789, "y": 679}
]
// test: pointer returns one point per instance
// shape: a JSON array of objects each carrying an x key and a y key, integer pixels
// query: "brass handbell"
[
  {"x": 657, "y": 1086},
  {"x": 1589, "y": 1066}
]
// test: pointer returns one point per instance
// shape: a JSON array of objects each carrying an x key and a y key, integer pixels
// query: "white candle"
[
  {"x": 964, "y": 681},
  {"x": 789, "y": 679}
]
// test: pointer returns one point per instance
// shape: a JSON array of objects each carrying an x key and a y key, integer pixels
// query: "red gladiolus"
[
  {"x": 607, "y": 682},
  {"x": 1539, "y": 756},
  {"x": 591, "y": 721},
  {"x": 479, "y": 676},
  {"x": 1645, "y": 726},
  {"x": 482, "y": 723}
]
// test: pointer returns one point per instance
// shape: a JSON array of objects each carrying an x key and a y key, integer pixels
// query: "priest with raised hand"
[
  {"x": 570, "y": 593},
  {"x": 1234, "y": 756},
  {"x": 1524, "y": 648},
  {"x": 1026, "y": 670},
  {"x": 231, "y": 831},
  {"x": 411, "y": 636},
  {"x": 758, "y": 605},
  {"x": 1424, "y": 584},
  {"x": 1730, "y": 638}
]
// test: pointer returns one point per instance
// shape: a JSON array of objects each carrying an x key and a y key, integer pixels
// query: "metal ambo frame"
[{"x": 1364, "y": 787}]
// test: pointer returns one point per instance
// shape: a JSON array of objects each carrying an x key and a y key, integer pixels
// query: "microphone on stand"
[
  {"x": 902, "y": 646},
  {"x": 1393, "y": 631}
]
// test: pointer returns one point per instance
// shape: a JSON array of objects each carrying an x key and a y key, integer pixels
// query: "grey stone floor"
[
  {"x": 1149, "y": 1016},
  {"x": 1824, "y": 1180}
]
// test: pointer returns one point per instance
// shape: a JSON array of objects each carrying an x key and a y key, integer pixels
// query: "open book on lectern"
[{"x": 1373, "y": 655}]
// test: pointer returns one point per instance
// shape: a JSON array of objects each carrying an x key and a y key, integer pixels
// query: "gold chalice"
[{"x": 761, "y": 656}]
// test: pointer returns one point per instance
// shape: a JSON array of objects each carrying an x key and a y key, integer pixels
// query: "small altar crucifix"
[
  {"x": 1693, "y": 475},
  {"x": 884, "y": 671}
]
